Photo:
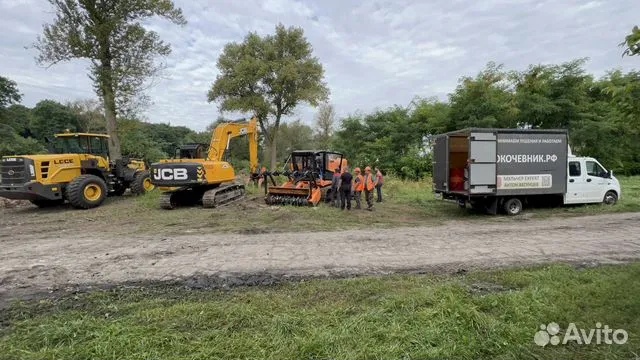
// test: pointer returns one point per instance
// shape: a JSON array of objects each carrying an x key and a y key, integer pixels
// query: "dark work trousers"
[
  {"x": 335, "y": 197},
  {"x": 368, "y": 195},
  {"x": 345, "y": 198},
  {"x": 358, "y": 196},
  {"x": 379, "y": 193}
]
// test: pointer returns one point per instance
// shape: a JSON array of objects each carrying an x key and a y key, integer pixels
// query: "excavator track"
[
  {"x": 223, "y": 195},
  {"x": 165, "y": 201},
  {"x": 185, "y": 197}
]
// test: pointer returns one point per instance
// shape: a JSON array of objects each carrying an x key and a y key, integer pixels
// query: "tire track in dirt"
[{"x": 31, "y": 264}]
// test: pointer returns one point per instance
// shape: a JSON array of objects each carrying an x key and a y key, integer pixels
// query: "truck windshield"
[{"x": 594, "y": 169}]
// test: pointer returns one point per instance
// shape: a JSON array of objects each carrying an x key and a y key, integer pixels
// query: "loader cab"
[{"x": 81, "y": 143}]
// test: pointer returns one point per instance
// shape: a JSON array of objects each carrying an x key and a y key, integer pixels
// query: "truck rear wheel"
[
  {"x": 86, "y": 191},
  {"x": 141, "y": 183},
  {"x": 512, "y": 206}
]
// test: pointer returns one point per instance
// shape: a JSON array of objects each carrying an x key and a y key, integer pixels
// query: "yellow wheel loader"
[
  {"x": 203, "y": 176},
  {"x": 77, "y": 170}
]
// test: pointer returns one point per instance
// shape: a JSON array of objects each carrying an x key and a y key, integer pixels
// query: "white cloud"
[{"x": 375, "y": 53}]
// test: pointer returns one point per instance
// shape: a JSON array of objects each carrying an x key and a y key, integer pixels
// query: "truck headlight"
[{"x": 32, "y": 170}]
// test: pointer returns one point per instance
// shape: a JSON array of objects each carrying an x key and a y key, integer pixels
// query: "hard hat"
[
  {"x": 368, "y": 168},
  {"x": 356, "y": 169}
]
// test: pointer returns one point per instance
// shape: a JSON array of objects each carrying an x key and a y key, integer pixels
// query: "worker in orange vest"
[
  {"x": 358, "y": 186},
  {"x": 369, "y": 186}
]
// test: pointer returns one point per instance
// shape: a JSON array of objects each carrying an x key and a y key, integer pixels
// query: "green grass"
[
  {"x": 406, "y": 204},
  {"x": 398, "y": 317},
  {"x": 414, "y": 194}
]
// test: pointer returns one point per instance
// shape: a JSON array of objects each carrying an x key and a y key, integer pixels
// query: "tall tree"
[
  {"x": 9, "y": 93},
  {"x": 632, "y": 42},
  {"x": 295, "y": 135},
  {"x": 51, "y": 117},
  {"x": 269, "y": 76},
  {"x": 552, "y": 96},
  {"x": 325, "y": 120},
  {"x": 19, "y": 117},
  {"x": 111, "y": 35},
  {"x": 90, "y": 113},
  {"x": 483, "y": 101}
]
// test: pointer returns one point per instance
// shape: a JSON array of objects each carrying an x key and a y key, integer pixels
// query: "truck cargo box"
[{"x": 500, "y": 162}]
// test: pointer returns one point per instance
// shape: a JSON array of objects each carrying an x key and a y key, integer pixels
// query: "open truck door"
[
  {"x": 441, "y": 165},
  {"x": 482, "y": 163}
]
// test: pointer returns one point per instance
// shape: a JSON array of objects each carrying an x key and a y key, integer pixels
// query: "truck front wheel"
[
  {"x": 610, "y": 198},
  {"x": 513, "y": 206}
]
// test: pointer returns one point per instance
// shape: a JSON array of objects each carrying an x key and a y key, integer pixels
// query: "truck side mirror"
[{"x": 609, "y": 174}]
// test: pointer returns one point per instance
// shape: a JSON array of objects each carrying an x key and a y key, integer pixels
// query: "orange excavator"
[{"x": 309, "y": 174}]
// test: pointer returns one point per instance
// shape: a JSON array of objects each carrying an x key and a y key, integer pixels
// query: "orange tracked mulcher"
[{"x": 310, "y": 174}]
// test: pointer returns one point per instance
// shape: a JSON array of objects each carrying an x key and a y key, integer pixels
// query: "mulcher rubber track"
[{"x": 222, "y": 195}]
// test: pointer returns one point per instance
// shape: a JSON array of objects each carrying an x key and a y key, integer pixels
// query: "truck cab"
[{"x": 589, "y": 182}]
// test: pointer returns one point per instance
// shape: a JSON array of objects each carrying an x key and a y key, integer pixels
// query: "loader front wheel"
[
  {"x": 141, "y": 183},
  {"x": 86, "y": 191}
]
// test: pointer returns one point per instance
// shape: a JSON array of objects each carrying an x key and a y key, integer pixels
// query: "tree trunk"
[
  {"x": 274, "y": 139},
  {"x": 273, "y": 149},
  {"x": 109, "y": 100},
  {"x": 112, "y": 126}
]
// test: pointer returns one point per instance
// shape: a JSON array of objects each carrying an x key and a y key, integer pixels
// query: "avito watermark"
[{"x": 600, "y": 335}]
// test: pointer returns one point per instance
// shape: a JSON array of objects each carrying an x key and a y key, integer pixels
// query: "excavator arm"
[{"x": 223, "y": 134}]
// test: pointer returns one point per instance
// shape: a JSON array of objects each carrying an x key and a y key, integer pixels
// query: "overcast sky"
[{"x": 375, "y": 53}]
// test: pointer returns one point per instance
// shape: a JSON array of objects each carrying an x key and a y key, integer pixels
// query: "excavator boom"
[{"x": 223, "y": 134}]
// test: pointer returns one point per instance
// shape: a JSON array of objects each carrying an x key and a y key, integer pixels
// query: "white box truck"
[{"x": 506, "y": 169}]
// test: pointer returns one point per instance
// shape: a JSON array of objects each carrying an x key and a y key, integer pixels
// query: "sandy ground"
[{"x": 30, "y": 264}]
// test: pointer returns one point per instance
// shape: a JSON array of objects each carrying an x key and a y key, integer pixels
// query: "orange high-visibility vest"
[
  {"x": 359, "y": 183},
  {"x": 368, "y": 182}
]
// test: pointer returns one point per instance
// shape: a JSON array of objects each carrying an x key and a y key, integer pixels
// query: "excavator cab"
[
  {"x": 310, "y": 174},
  {"x": 192, "y": 151}
]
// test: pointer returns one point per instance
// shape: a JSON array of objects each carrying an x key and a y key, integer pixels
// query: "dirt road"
[{"x": 34, "y": 263}]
